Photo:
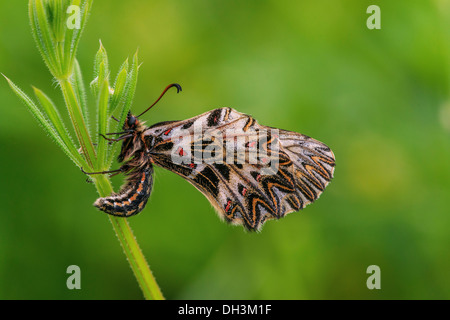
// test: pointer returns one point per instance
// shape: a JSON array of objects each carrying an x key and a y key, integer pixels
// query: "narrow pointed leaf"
[
  {"x": 80, "y": 91},
  {"x": 79, "y": 125},
  {"x": 101, "y": 69},
  {"x": 124, "y": 104},
  {"x": 55, "y": 119},
  {"x": 71, "y": 28},
  {"x": 41, "y": 34},
  {"x": 130, "y": 86},
  {"x": 43, "y": 121},
  {"x": 103, "y": 121},
  {"x": 84, "y": 13},
  {"x": 119, "y": 86}
]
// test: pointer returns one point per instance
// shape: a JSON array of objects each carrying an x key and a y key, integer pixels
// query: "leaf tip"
[
  {"x": 7, "y": 79},
  {"x": 36, "y": 90},
  {"x": 102, "y": 47}
]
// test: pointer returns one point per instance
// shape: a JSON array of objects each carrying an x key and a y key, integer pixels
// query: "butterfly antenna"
[{"x": 162, "y": 94}]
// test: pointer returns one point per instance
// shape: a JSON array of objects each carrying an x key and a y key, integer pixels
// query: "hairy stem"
[
  {"x": 137, "y": 261},
  {"x": 57, "y": 43},
  {"x": 121, "y": 227},
  {"x": 76, "y": 116}
]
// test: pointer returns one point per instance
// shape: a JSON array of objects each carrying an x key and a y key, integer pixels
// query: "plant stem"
[
  {"x": 57, "y": 43},
  {"x": 121, "y": 227},
  {"x": 76, "y": 116},
  {"x": 131, "y": 248}
]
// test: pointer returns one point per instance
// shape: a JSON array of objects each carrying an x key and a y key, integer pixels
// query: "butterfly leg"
[
  {"x": 123, "y": 132},
  {"x": 111, "y": 172},
  {"x": 118, "y": 139},
  {"x": 115, "y": 172}
]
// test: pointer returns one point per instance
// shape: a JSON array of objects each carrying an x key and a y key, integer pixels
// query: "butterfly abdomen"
[{"x": 132, "y": 197}]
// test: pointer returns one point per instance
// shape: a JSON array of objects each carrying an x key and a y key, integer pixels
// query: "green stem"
[
  {"x": 137, "y": 261},
  {"x": 58, "y": 45},
  {"x": 76, "y": 117},
  {"x": 121, "y": 227}
]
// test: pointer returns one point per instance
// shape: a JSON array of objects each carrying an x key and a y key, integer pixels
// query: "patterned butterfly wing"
[
  {"x": 249, "y": 173},
  {"x": 313, "y": 164}
]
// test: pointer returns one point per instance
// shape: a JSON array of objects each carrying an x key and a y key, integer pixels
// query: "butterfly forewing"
[{"x": 250, "y": 173}]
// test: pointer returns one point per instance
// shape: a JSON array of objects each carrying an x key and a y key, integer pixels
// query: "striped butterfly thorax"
[{"x": 250, "y": 173}]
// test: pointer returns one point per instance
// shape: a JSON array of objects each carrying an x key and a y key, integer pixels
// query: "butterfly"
[{"x": 250, "y": 173}]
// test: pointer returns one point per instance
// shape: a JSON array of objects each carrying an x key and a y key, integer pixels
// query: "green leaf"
[
  {"x": 125, "y": 101},
  {"x": 100, "y": 57},
  {"x": 130, "y": 88},
  {"x": 56, "y": 12},
  {"x": 76, "y": 116},
  {"x": 103, "y": 121},
  {"x": 80, "y": 91},
  {"x": 56, "y": 42},
  {"x": 42, "y": 35},
  {"x": 119, "y": 86},
  {"x": 76, "y": 35},
  {"x": 47, "y": 124},
  {"x": 69, "y": 18},
  {"x": 55, "y": 119},
  {"x": 101, "y": 74},
  {"x": 101, "y": 69}
]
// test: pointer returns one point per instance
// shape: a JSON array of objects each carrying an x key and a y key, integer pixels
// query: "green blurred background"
[{"x": 378, "y": 98}]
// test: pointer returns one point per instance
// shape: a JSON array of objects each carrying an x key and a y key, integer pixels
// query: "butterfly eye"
[{"x": 131, "y": 121}]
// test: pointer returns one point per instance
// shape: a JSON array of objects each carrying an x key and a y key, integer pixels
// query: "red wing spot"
[
  {"x": 181, "y": 152},
  {"x": 228, "y": 207},
  {"x": 167, "y": 131},
  {"x": 191, "y": 165},
  {"x": 244, "y": 191},
  {"x": 258, "y": 177}
]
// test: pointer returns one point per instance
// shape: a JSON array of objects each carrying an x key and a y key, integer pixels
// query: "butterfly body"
[
  {"x": 137, "y": 167},
  {"x": 250, "y": 173}
]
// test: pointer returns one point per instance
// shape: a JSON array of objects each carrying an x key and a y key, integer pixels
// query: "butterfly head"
[
  {"x": 132, "y": 123},
  {"x": 131, "y": 120}
]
